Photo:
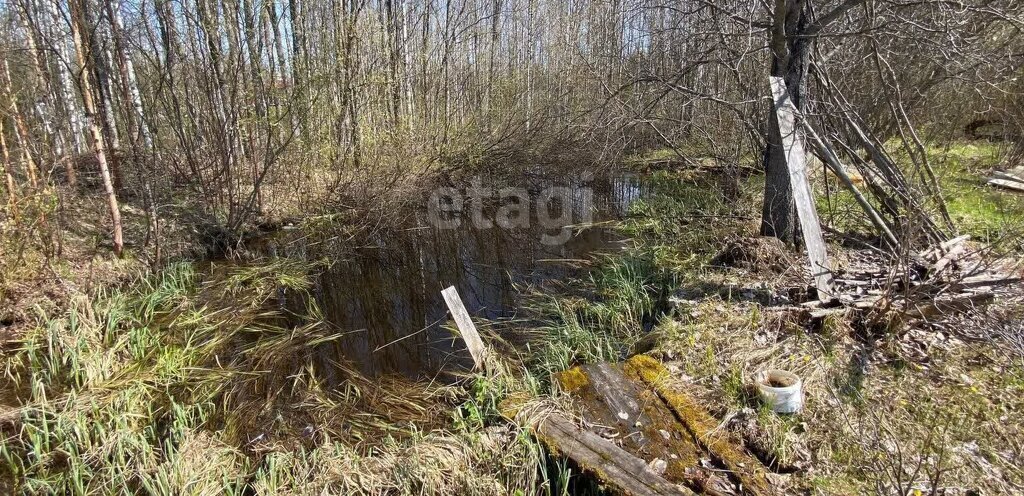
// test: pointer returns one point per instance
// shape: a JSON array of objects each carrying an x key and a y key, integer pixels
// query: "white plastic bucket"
[{"x": 781, "y": 390}]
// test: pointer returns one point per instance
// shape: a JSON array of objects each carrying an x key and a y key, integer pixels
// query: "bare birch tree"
[{"x": 78, "y": 27}]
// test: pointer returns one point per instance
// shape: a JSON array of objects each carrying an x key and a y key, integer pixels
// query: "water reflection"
[{"x": 385, "y": 295}]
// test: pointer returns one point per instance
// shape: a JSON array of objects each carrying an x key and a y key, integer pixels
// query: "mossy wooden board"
[{"x": 643, "y": 437}]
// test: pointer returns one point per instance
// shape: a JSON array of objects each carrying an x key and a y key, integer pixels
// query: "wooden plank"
[
  {"x": 1013, "y": 185},
  {"x": 612, "y": 465},
  {"x": 1008, "y": 177},
  {"x": 616, "y": 392},
  {"x": 621, "y": 408},
  {"x": 948, "y": 245},
  {"x": 987, "y": 279},
  {"x": 643, "y": 437},
  {"x": 466, "y": 327},
  {"x": 796, "y": 161},
  {"x": 719, "y": 443},
  {"x": 954, "y": 249}
]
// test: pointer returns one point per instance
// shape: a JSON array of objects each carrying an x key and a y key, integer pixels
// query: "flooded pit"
[{"x": 383, "y": 293}]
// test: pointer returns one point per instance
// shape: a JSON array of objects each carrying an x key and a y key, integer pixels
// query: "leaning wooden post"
[
  {"x": 796, "y": 162},
  {"x": 466, "y": 327},
  {"x": 833, "y": 163}
]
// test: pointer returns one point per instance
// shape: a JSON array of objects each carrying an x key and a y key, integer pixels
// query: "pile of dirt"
[{"x": 754, "y": 253}]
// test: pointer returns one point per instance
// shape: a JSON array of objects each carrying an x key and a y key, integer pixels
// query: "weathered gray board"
[
  {"x": 796, "y": 161},
  {"x": 629, "y": 475},
  {"x": 1004, "y": 183},
  {"x": 637, "y": 423},
  {"x": 1008, "y": 176},
  {"x": 466, "y": 327}
]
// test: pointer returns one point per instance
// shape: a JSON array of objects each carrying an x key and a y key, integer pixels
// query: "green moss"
[
  {"x": 572, "y": 380},
  {"x": 701, "y": 426}
]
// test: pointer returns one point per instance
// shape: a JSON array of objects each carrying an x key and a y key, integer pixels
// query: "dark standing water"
[{"x": 385, "y": 295}]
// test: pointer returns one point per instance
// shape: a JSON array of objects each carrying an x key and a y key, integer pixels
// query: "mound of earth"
[{"x": 755, "y": 253}]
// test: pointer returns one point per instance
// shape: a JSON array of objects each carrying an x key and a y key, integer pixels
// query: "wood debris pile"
[
  {"x": 949, "y": 276},
  {"x": 952, "y": 277}
]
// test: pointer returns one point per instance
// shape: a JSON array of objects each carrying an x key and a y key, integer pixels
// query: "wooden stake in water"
[{"x": 466, "y": 327}]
